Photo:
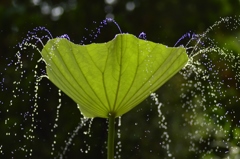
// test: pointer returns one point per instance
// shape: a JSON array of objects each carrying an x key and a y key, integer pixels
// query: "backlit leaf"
[{"x": 113, "y": 77}]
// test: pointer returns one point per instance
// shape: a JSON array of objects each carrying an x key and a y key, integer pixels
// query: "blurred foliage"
[{"x": 162, "y": 21}]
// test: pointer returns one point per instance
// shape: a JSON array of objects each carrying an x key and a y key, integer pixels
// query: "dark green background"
[{"x": 163, "y": 22}]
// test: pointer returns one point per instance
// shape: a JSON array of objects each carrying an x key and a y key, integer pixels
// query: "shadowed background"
[{"x": 163, "y": 22}]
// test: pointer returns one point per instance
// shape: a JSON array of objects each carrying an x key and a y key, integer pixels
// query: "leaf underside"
[{"x": 113, "y": 77}]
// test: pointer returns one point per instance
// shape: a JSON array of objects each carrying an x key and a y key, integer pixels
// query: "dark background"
[{"x": 26, "y": 129}]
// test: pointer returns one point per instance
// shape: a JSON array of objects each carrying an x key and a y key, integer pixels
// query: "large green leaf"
[{"x": 113, "y": 77}]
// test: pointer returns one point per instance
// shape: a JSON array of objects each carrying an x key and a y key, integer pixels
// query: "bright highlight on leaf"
[{"x": 113, "y": 77}]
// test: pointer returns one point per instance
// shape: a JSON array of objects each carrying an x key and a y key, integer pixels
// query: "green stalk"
[{"x": 111, "y": 134}]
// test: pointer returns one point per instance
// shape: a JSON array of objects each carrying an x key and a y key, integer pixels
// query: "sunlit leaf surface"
[{"x": 113, "y": 77}]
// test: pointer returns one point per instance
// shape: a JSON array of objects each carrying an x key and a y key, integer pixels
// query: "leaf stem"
[{"x": 111, "y": 134}]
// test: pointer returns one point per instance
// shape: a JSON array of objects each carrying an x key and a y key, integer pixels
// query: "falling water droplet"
[{"x": 206, "y": 116}]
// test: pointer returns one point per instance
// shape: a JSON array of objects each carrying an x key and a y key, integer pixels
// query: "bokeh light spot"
[
  {"x": 57, "y": 12},
  {"x": 36, "y": 2},
  {"x": 110, "y": 1},
  {"x": 130, "y": 6},
  {"x": 110, "y": 15},
  {"x": 45, "y": 8}
]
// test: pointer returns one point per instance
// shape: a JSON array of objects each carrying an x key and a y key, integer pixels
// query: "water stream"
[{"x": 194, "y": 115}]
